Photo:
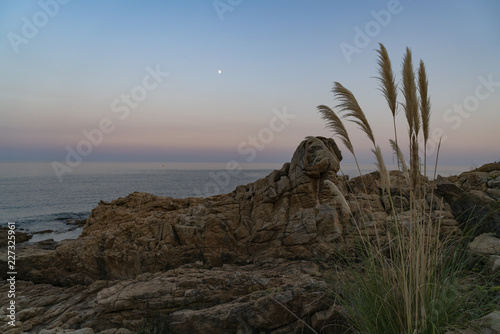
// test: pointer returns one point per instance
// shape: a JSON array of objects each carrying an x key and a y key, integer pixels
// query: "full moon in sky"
[{"x": 220, "y": 71}]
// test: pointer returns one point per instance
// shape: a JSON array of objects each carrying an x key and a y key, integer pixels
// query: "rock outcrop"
[
  {"x": 241, "y": 262},
  {"x": 474, "y": 198},
  {"x": 289, "y": 214}
]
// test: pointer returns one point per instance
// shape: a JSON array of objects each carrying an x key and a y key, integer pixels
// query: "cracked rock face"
[
  {"x": 188, "y": 299},
  {"x": 474, "y": 198},
  {"x": 289, "y": 214}
]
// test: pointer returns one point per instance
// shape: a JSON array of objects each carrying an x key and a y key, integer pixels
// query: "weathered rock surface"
[
  {"x": 189, "y": 299},
  {"x": 289, "y": 214},
  {"x": 474, "y": 198},
  {"x": 242, "y": 262},
  {"x": 487, "y": 246}
]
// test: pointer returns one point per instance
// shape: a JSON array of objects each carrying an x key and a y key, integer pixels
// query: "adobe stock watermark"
[
  {"x": 460, "y": 111},
  {"x": 31, "y": 27},
  {"x": 248, "y": 149},
  {"x": 363, "y": 37},
  {"x": 120, "y": 106},
  {"x": 223, "y": 6}
]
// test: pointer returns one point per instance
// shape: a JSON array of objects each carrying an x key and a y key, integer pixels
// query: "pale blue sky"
[{"x": 273, "y": 55}]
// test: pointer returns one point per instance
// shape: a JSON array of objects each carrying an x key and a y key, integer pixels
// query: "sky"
[{"x": 237, "y": 80}]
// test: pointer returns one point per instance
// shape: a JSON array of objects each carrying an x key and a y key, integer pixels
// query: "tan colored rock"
[
  {"x": 188, "y": 299},
  {"x": 473, "y": 198},
  {"x": 494, "y": 263},
  {"x": 494, "y": 193},
  {"x": 492, "y": 321},
  {"x": 485, "y": 244},
  {"x": 289, "y": 214}
]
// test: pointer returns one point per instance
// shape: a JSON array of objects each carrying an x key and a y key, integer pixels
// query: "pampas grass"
[
  {"x": 409, "y": 284},
  {"x": 386, "y": 79},
  {"x": 335, "y": 124},
  {"x": 425, "y": 108},
  {"x": 388, "y": 87},
  {"x": 412, "y": 115},
  {"x": 349, "y": 104},
  {"x": 410, "y": 94}
]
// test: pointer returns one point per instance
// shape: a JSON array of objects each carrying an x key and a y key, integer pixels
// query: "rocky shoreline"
[
  {"x": 27, "y": 236},
  {"x": 250, "y": 261}
]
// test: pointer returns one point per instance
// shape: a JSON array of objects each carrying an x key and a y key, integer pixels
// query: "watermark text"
[{"x": 11, "y": 273}]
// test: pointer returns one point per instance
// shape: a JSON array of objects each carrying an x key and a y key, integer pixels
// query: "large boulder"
[{"x": 474, "y": 198}]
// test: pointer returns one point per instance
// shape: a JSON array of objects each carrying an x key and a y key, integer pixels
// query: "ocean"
[{"x": 38, "y": 202}]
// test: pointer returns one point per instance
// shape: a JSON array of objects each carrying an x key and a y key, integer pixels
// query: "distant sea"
[{"x": 32, "y": 196}]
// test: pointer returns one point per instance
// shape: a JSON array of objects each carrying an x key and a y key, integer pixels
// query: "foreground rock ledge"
[{"x": 241, "y": 262}]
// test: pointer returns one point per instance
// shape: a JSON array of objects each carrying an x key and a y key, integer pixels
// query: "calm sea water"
[{"x": 32, "y": 196}]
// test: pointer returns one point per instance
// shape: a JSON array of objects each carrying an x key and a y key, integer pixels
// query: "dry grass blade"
[
  {"x": 335, "y": 123},
  {"x": 401, "y": 159},
  {"x": 346, "y": 210},
  {"x": 386, "y": 79},
  {"x": 349, "y": 104},
  {"x": 437, "y": 156},
  {"x": 410, "y": 94}
]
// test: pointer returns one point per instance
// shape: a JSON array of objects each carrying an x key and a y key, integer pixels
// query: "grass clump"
[{"x": 417, "y": 280}]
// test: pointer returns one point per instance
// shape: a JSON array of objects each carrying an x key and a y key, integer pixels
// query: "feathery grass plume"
[
  {"x": 388, "y": 86},
  {"x": 401, "y": 159},
  {"x": 410, "y": 94},
  {"x": 412, "y": 115},
  {"x": 384, "y": 174},
  {"x": 349, "y": 104},
  {"x": 386, "y": 79},
  {"x": 425, "y": 108},
  {"x": 335, "y": 124}
]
